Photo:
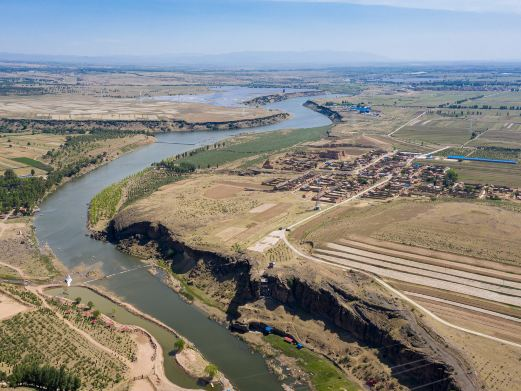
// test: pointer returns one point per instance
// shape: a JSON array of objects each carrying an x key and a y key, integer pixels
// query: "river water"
[{"x": 62, "y": 225}]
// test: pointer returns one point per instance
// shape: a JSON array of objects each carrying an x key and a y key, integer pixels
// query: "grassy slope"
[
  {"x": 324, "y": 375},
  {"x": 103, "y": 205}
]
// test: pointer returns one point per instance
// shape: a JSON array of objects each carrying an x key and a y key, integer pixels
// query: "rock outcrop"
[
  {"x": 333, "y": 115},
  {"x": 266, "y": 99},
  {"x": 18, "y": 125},
  {"x": 347, "y": 302}
]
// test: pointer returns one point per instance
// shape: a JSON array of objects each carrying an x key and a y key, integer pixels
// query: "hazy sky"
[{"x": 398, "y": 29}]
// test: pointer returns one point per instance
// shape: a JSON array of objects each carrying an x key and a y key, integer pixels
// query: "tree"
[
  {"x": 96, "y": 314},
  {"x": 179, "y": 345},
  {"x": 32, "y": 172},
  {"x": 90, "y": 304},
  {"x": 211, "y": 370},
  {"x": 451, "y": 176},
  {"x": 9, "y": 175}
]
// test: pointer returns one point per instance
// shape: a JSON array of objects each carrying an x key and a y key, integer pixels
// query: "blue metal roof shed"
[{"x": 481, "y": 159}]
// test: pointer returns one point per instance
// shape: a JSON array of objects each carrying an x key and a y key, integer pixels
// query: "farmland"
[
  {"x": 242, "y": 148},
  {"x": 24, "y": 152},
  {"x": 479, "y": 229},
  {"x": 479, "y": 172},
  {"x": 253, "y": 145},
  {"x": 218, "y": 210},
  {"x": 26, "y": 337}
]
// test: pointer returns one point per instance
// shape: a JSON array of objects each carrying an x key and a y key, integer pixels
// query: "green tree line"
[{"x": 41, "y": 377}]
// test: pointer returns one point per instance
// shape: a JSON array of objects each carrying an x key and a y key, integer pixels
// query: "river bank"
[
  {"x": 155, "y": 126},
  {"x": 273, "y": 98},
  {"x": 369, "y": 320},
  {"x": 162, "y": 351},
  {"x": 62, "y": 225}
]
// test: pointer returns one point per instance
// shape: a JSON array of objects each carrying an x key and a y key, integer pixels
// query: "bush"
[
  {"x": 179, "y": 345},
  {"x": 211, "y": 370}
]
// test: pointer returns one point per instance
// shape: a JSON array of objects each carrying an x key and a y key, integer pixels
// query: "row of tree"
[
  {"x": 16, "y": 193},
  {"x": 180, "y": 168},
  {"x": 42, "y": 377}
]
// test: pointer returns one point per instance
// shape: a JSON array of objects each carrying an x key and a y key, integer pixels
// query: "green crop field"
[
  {"x": 507, "y": 138},
  {"x": 455, "y": 151},
  {"x": 254, "y": 145},
  {"x": 486, "y": 173},
  {"x": 33, "y": 163},
  {"x": 325, "y": 375}
]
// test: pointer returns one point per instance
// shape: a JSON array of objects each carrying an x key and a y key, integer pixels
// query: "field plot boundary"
[
  {"x": 500, "y": 270},
  {"x": 446, "y": 281}
]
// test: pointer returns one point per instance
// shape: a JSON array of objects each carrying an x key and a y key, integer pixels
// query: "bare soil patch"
[
  {"x": 272, "y": 212},
  {"x": 230, "y": 232},
  {"x": 10, "y": 307},
  {"x": 220, "y": 192},
  {"x": 262, "y": 208}
]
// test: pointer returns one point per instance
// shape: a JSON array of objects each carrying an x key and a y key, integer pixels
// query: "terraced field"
[{"x": 482, "y": 280}]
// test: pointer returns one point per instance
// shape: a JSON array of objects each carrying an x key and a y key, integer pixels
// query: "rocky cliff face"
[
  {"x": 334, "y": 116},
  {"x": 348, "y": 302},
  {"x": 17, "y": 125},
  {"x": 419, "y": 356}
]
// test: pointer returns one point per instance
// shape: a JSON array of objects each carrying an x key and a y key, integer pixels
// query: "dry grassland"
[
  {"x": 220, "y": 211},
  {"x": 18, "y": 248},
  {"x": 466, "y": 228}
]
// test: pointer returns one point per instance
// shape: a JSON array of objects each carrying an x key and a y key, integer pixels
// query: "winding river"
[{"x": 62, "y": 225}]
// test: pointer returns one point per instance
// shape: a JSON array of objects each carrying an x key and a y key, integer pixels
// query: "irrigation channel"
[{"x": 61, "y": 224}]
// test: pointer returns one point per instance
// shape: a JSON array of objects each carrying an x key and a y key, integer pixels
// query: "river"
[{"x": 61, "y": 224}]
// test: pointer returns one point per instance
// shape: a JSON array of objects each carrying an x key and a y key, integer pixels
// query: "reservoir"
[{"x": 62, "y": 225}]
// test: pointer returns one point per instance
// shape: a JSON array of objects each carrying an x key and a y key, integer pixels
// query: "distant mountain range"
[{"x": 253, "y": 59}]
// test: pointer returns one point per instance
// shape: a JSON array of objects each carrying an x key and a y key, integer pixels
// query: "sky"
[{"x": 408, "y": 30}]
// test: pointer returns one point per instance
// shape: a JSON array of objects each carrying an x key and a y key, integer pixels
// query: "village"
[{"x": 333, "y": 175}]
